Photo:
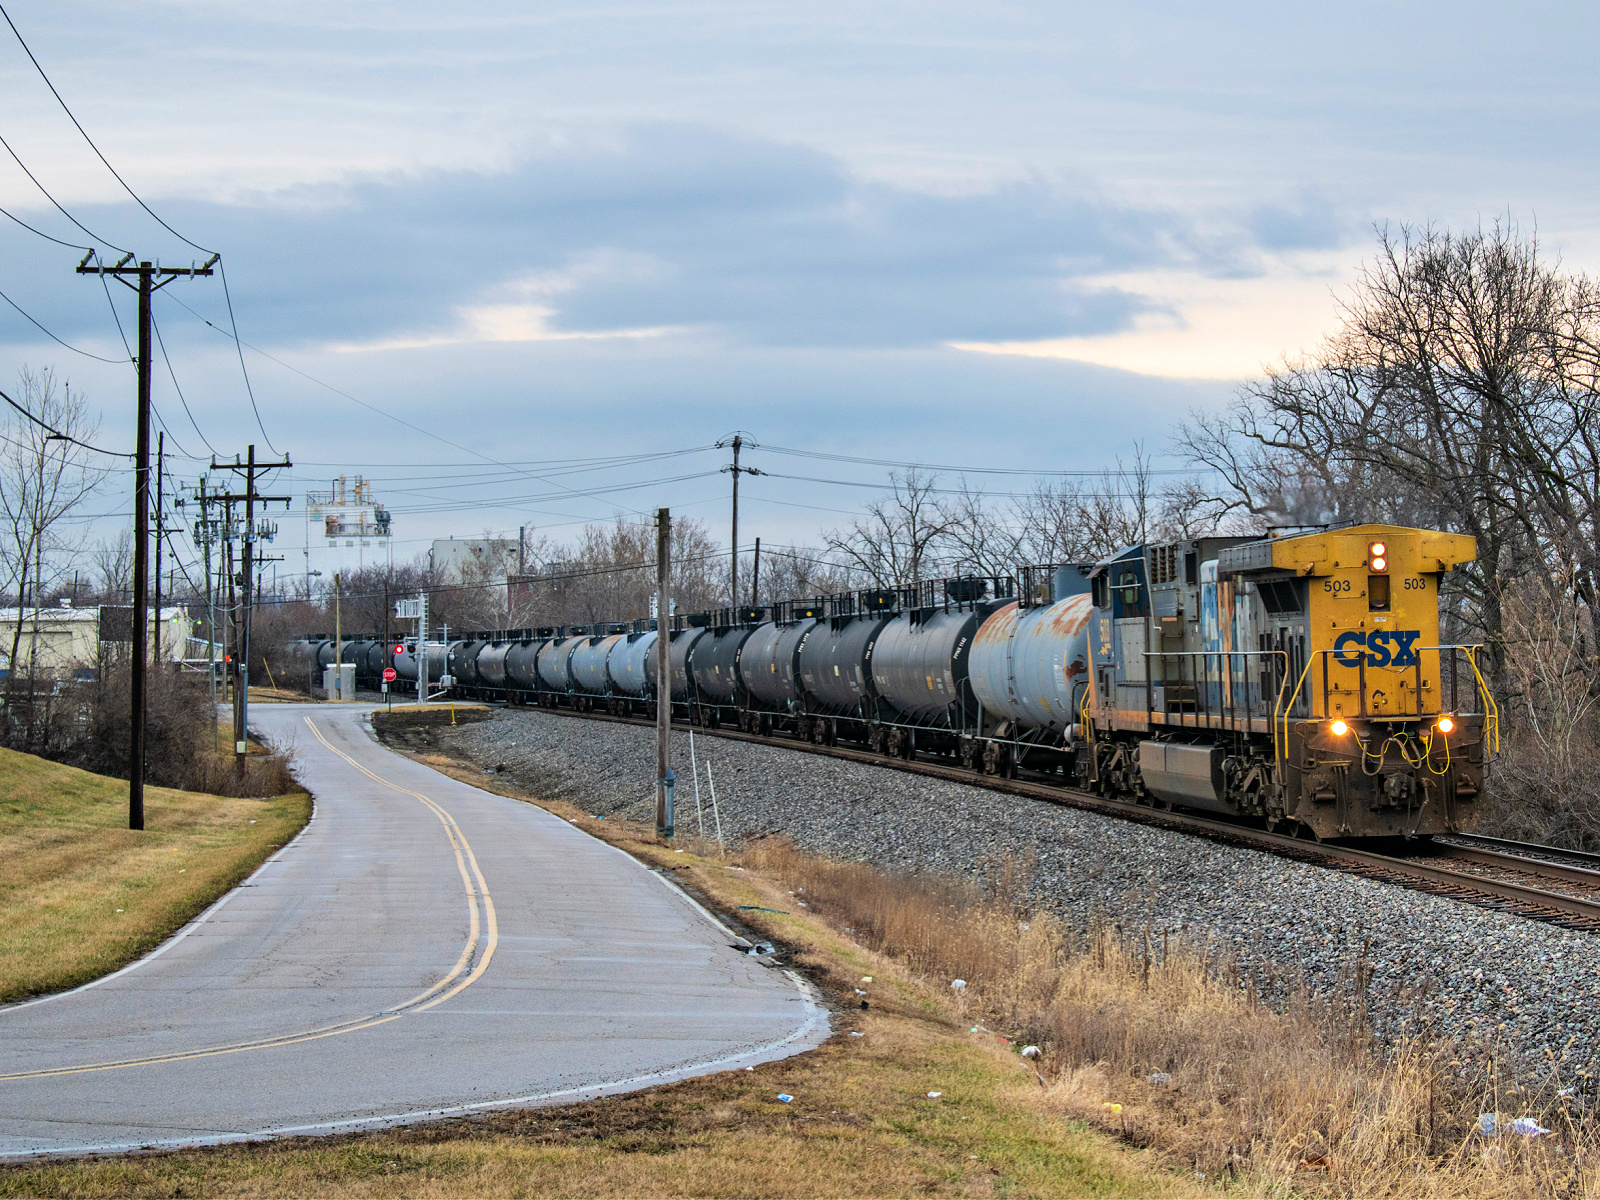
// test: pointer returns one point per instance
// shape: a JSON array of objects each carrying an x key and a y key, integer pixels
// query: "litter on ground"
[
  {"x": 785, "y": 1097},
  {"x": 1493, "y": 1125}
]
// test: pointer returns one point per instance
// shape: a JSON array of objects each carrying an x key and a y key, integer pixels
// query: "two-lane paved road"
[{"x": 422, "y": 948}]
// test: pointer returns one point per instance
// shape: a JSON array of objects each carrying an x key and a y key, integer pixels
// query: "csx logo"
[{"x": 1384, "y": 647}]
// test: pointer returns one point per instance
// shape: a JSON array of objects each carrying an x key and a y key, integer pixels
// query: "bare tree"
[
  {"x": 896, "y": 542},
  {"x": 44, "y": 476},
  {"x": 113, "y": 567}
]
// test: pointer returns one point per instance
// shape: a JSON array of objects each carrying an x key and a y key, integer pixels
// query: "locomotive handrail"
[
  {"x": 1228, "y": 706},
  {"x": 1293, "y": 696},
  {"x": 1491, "y": 710}
]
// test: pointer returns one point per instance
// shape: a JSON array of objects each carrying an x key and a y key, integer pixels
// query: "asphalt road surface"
[{"x": 422, "y": 949}]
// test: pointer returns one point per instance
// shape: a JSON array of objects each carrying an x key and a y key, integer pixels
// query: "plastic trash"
[
  {"x": 853, "y": 1034},
  {"x": 1494, "y": 1124},
  {"x": 859, "y": 992},
  {"x": 934, "y": 1095},
  {"x": 785, "y": 1098},
  {"x": 958, "y": 985},
  {"x": 1159, "y": 1079},
  {"x": 1030, "y": 1052},
  {"x": 866, "y": 979},
  {"x": 759, "y": 949}
]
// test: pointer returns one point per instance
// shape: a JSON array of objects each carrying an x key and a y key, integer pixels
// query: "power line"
[
  {"x": 174, "y": 376},
  {"x": 374, "y": 408},
  {"x": 54, "y": 432},
  {"x": 46, "y": 193},
  {"x": 249, "y": 391},
  {"x": 52, "y": 336},
  {"x": 92, "y": 146},
  {"x": 115, "y": 316},
  {"x": 913, "y": 466},
  {"x": 41, "y": 233}
]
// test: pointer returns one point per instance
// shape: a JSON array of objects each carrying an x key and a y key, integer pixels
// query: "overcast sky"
[{"x": 992, "y": 235}]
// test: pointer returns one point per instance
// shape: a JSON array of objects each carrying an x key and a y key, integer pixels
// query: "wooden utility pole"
[
  {"x": 755, "y": 578},
  {"x": 737, "y": 442},
  {"x": 664, "y": 779},
  {"x": 248, "y": 560},
  {"x": 161, "y": 528},
  {"x": 148, "y": 275}
]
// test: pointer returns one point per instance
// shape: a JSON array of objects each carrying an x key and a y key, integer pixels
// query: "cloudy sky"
[{"x": 482, "y": 241}]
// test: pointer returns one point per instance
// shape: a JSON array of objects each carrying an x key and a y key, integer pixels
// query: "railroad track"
[{"x": 1513, "y": 877}]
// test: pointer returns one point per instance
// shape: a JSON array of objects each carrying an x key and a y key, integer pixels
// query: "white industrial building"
[
  {"x": 346, "y": 529},
  {"x": 66, "y": 640}
]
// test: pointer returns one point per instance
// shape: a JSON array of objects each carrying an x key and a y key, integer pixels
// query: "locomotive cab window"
[{"x": 1377, "y": 593}]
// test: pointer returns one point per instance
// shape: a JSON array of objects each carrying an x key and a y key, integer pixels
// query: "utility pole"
[
  {"x": 204, "y": 534},
  {"x": 161, "y": 462},
  {"x": 664, "y": 778},
  {"x": 151, "y": 278},
  {"x": 249, "y": 534},
  {"x": 755, "y": 581},
  {"x": 737, "y": 442}
]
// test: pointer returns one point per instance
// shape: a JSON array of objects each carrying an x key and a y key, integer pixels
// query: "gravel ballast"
[{"x": 1469, "y": 973}]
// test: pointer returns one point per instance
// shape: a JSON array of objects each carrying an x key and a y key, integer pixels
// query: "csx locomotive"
[{"x": 1297, "y": 682}]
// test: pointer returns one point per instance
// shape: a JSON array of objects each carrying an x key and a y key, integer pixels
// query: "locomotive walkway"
[{"x": 423, "y": 948}]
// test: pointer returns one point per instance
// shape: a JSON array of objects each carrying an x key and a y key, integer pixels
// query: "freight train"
[{"x": 1296, "y": 682}]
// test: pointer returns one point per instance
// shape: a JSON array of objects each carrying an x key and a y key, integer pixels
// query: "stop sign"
[{"x": 390, "y": 674}]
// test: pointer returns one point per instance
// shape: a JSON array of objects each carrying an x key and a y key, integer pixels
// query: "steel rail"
[
  {"x": 1526, "y": 849},
  {"x": 1533, "y": 903}
]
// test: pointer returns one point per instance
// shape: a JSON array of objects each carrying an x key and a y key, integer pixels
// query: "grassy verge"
[
  {"x": 81, "y": 894},
  {"x": 861, "y": 1121}
]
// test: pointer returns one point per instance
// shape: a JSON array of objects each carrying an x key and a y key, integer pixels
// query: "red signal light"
[{"x": 399, "y": 649}]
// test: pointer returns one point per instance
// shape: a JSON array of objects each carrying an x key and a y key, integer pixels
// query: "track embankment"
[{"x": 1425, "y": 964}]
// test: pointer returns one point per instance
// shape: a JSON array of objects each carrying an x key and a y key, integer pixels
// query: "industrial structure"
[{"x": 346, "y": 528}]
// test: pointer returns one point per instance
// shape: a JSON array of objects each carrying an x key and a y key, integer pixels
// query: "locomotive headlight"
[
  {"x": 1378, "y": 556},
  {"x": 1445, "y": 725},
  {"x": 1339, "y": 729}
]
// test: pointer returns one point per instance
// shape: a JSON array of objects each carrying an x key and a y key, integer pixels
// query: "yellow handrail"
[
  {"x": 1491, "y": 710},
  {"x": 1280, "y": 705}
]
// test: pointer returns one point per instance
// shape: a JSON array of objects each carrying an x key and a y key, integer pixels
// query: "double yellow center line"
[{"x": 483, "y": 936}]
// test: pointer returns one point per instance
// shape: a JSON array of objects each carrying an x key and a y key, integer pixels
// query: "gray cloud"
[{"x": 753, "y": 241}]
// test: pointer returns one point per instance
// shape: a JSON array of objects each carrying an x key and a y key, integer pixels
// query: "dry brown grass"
[
  {"x": 81, "y": 894},
  {"x": 1295, "y": 1099}
]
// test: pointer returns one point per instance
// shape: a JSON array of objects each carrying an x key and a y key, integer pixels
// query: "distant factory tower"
[{"x": 346, "y": 529}]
